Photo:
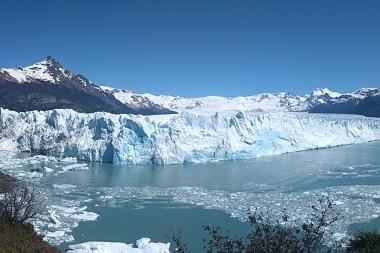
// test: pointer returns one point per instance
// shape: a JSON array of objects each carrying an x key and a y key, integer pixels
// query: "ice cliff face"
[{"x": 186, "y": 137}]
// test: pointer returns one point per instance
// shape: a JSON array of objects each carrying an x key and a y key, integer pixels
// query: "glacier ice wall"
[{"x": 181, "y": 138}]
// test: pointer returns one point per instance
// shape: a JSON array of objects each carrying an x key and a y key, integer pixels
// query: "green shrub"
[{"x": 364, "y": 242}]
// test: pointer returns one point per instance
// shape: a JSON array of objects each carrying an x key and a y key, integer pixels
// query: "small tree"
[
  {"x": 20, "y": 203},
  {"x": 177, "y": 239},
  {"x": 278, "y": 236},
  {"x": 283, "y": 236}
]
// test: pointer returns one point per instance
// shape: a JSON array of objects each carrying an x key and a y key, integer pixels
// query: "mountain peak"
[
  {"x": 50, "y": 61},
  {"x": 46, "y": 70},
  {"x": 325, "y": 91}
]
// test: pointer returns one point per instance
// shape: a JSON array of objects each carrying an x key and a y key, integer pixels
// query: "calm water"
[{"x": 137, "y": 201}]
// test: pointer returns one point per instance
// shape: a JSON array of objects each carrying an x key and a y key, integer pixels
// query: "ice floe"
[
  {"x": 354, "y": 203},
  {"x": 77, "y": 166},
  {"x": 143, "y": 245}
]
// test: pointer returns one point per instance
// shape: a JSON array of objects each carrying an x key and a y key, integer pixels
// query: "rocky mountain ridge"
[{"x": 47, "y": 85}]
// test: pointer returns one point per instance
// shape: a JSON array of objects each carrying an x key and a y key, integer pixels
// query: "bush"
[
  {"x": 278, "y": 236},
  {"x": 364, "y": 242},
  {"x": 20, "y": 203}
]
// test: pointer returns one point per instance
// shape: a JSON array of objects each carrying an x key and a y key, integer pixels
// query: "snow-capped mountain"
[
  {"x": 265, "y": 102},
  {"x": 47, "y": 85},
  {"x": 136, "y": 100},
  {"x": 365, "y": 102}
]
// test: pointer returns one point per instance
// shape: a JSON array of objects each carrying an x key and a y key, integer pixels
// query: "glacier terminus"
[{"x": 187, "y": 137}]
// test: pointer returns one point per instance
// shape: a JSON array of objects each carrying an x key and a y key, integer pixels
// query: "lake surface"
[{"x": 146, "y": 201}]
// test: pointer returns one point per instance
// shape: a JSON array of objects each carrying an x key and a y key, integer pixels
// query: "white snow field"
[{"x": 188, "y": 137}]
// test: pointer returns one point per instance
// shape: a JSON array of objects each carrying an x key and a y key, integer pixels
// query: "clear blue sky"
[{"x": 200, "y": 47}]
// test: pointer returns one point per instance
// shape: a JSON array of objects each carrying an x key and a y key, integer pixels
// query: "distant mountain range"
[
  {"x": 362, "y": 102},
  {"x": 46, "y": 85},
  {"x": 365, "y": 101}
]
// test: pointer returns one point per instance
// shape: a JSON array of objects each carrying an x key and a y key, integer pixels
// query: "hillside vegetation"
[
  {"x": 21, "y": 238},
  {"x": 18, "y": 205}
]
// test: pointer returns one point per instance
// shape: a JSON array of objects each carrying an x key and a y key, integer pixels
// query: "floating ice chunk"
[
  {"x": 55, "y": 234},
  {"x": 88, "y": 216},
  {"x": 21, "y": 175},
  {"x": 68, "y": 238},
  {"x": 338, "y": 236},
  {"x": 52, "y": 159},
  {"x": 142, "y": 246},
  {"x": 68, "y": 160},
  {"x": 78, "y": 166},
  {"x": 48, "y": 170},
  {"x": 65, "y": 210},
  {"x": 63, "y": 186},
  {"x": 36, "y": 174},
  {"x": 33, "y": 161},
  {"x": 142, "y": 242},
  {"x": 106, "y": 197},
  {"x": 80, "y": 209},
  {"x": 64, "y": 219},
  {"x": 54, "y": 217}
]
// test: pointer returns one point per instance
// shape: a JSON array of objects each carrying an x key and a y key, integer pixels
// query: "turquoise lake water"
[{"x": 146, "y": 201}]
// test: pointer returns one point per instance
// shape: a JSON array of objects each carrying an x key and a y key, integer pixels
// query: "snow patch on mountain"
[
  {"x": 181, "y": 138},
  {"x": 130, "y": 98},
  {"x": 17, "y": 75},
  {"x": 40, "y": 70},
  {"x": 365, "y": 92},
  {"x": 325, "y": 91}
]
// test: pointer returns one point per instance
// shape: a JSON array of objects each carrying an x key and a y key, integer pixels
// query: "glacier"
[{"x": 188, "y": 137}]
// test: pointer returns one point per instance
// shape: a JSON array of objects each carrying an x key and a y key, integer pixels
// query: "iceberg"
[
  {"x": 142, "y": 246},
  {"x": 188, "y": 137}
]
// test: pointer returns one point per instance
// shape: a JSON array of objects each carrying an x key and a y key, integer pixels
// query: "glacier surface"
[{"x": 188, "y": 137}]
